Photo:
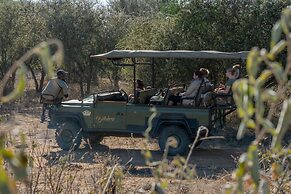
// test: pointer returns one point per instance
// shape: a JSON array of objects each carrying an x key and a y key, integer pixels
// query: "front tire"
[
  {"x": 69, "y": 136},
  {"x": 177, "y": 139}
]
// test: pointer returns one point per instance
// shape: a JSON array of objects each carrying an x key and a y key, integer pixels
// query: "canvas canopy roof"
[{"x": 119, "y": 54}]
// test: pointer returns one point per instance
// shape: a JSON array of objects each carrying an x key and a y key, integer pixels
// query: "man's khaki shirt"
[{"x": 55, "y": 89}]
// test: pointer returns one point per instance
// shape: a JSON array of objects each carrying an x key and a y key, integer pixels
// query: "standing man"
[{"x": 54, "y": 92}]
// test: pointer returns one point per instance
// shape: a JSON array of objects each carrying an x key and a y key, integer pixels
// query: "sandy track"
[{"x": 213, "y": 159}]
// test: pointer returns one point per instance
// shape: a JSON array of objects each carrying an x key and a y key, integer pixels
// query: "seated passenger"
[
  {"x": 209, "y": 97},
  {"x": 237, "y": 68},
  {"x": 139, "y": 86},
  {"x": 208, "y": 86},
  {"x": 191, "y": 92}
]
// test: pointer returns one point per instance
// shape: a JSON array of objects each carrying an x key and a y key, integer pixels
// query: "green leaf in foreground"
[
  {"x": 276, "y": 33},
  {"x": 20, "y": 86},
  {"x": 283, "y": 125}
]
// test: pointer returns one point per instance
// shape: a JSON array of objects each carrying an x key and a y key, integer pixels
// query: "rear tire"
[
  {"x": 178, "y": 139},
  {"x": 69, "y": 135}
]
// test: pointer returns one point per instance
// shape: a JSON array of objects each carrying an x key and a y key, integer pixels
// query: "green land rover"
[{"x": 111, "y": 113}]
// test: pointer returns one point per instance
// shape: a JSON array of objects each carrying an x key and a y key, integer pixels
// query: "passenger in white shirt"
[{"x": 191, "y": 91}]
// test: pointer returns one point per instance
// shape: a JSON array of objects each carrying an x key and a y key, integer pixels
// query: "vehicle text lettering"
[{"x": 101, "y": 119}]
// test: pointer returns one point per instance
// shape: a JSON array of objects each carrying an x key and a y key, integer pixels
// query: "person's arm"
[
  {"x": 65, "y": 90},
  {"x": 227, "y": 88},
  {"x": 64, "y": 87},
  {"x": 224, "y": 91}
]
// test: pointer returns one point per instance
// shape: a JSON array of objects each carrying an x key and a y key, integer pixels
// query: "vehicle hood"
[
  {"x": 75, "y": 102},
  {"x": 88, "y": 100},
  {"x": 72, "y": 102}
]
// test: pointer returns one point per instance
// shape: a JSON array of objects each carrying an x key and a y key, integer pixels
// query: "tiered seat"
[
  {"x": 110, "y": 96},
  {"x": 145, "y": 95}
]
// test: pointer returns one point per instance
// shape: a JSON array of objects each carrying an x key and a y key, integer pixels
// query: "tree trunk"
[
  {"x": 41, "y": 80},
  {"x": 115, "y": 79},
  {"x": 81, "y": 88},
  {"x": 34, "y": 78},
  {"x": 9, "y": 87},
  {"x": 88, "y": 88}
]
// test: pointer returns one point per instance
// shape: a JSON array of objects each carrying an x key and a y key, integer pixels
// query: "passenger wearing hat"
[{"x": 54, "y": 92}]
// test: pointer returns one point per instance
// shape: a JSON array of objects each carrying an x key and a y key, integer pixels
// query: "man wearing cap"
[{"x": 55, "y": 90}]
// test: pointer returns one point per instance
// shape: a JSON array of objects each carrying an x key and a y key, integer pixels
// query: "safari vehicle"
[{"x": 112, "y": 114}]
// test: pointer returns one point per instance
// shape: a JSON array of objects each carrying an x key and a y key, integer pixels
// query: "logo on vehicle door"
[
  {"x": 86, "y": 113},
  {"x": 101, "y": 119}
]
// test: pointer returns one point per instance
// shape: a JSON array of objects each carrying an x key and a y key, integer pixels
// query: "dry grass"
[{"x": 86, "y": 171}]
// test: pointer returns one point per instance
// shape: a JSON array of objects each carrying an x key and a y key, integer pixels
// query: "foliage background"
[{"x": 87, "y": 27}]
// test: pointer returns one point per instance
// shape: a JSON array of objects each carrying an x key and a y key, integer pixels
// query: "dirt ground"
[{"x": 214, "y": 160}]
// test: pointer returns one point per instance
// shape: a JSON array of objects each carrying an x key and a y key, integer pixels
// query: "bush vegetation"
[{"x": 87, "y": 27}]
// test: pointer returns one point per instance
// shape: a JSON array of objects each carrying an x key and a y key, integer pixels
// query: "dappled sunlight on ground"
[{"x": 214, "y": 159}]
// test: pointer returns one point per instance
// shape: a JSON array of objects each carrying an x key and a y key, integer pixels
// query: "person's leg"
[
  {"x": 208, "y": 99},
  {"x": 174, "y": 100},
  {"x": 221, "y": 100},
  {"x": 178, "y": 100},
  {"x": 42, "y": 118},
  {"x": 171, "y": 100}
]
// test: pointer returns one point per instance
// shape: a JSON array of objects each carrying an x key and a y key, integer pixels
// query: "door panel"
[
  {"x": 110, "y": 115},
  {"x": 137, "y": 117}
]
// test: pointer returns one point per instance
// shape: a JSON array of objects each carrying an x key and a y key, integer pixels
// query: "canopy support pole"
[{"x": 153, "y": 73}]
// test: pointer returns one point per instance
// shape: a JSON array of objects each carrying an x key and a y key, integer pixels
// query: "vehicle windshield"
[{"x": 89, "y": 98}]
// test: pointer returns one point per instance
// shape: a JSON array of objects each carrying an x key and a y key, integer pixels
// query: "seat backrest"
[
  {"x": 197, "y": 99},
  {"x": 207, "y": 87},
  {"x": 145, "y": 95},
  {"x": 109, "y": 96},
  {"x": 166, "y": 96},
  {"x": 171, "y": 91},
  {"x": 176, "y": 90}
]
